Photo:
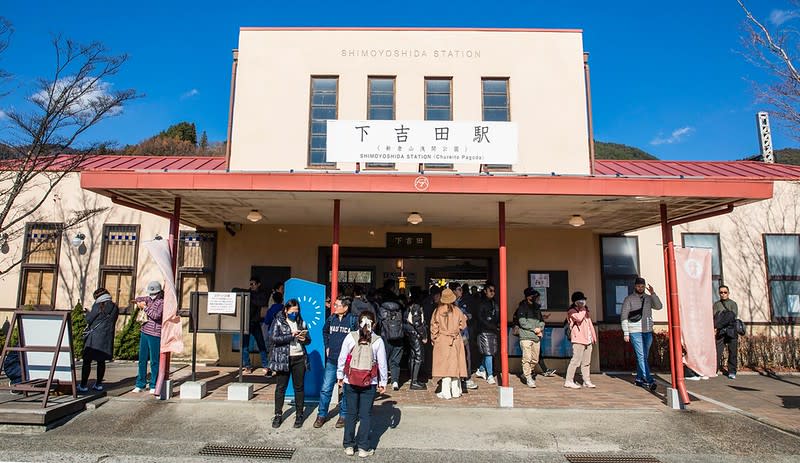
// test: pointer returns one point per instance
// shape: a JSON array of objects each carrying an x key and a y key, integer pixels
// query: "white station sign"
[{"x": 448, "y": 142}]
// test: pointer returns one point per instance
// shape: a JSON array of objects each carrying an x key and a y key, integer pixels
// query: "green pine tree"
[
  {"x": 78, "y": 321},
  {"x": 126, "y": 344},
  {"x": 203, "y": 141}
]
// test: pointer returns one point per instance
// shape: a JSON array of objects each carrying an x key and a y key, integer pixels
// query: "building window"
[
  {"x": 196, "y": 262},
  {"x": 620, "y": 267},
  {"x": 438, "y": 106},
  {"x": 39, "y": 265},
  {"x": 782, "y": 253},
  {"x": 495, "y": 107},
  {"x": 118, "y": 262},
  {"x": 324, "y": 102},
  {"x": 380, "y": 107},
  {"x": 708, "y": 241}
]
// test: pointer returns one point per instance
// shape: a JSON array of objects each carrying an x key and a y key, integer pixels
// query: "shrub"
[
  {"x": 616, "y": 354},
  {"x": 769, "y": 352},
  {"x": 78, "y": 321},
  {"x": 126, "y": 344}
]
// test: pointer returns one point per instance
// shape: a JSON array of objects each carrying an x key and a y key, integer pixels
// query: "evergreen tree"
[
  {"x": 78, "y": 321},
  {"x": 126, "y": 344},
  {"x": 184, "y": 131},
  {"x": 203, "y": 141}
]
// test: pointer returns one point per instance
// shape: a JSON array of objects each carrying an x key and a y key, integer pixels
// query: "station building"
[{"x": 380, "y": 192}]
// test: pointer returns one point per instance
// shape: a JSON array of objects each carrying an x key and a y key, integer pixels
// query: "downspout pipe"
[
  {"x": 503, "y": 294},
  {"x": 589, "y": 125}
]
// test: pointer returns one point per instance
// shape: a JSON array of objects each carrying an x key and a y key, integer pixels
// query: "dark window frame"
[
  {"x": 124, "y": 305},
  {"x": 311, "y": 120},
  {"x": 775, "y": 278},
  {"x": 437, "y": 166},
  {"x": 507, "y": 80},
  {"x": 195, "y": 272},
  {"x": 609, "y": 313},
  {"x": 381, "y": 165},
  {"x": 27, "y": 268}
]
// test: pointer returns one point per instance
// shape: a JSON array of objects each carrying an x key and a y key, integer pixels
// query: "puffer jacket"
[{"x": 280, "y": 334}]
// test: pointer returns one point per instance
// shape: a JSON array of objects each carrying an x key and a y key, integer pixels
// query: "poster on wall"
[
  {"x": 540, "y": 280},
  {"x": 543, "y": 297},
  {"x": 553, "y": 286},
  {"x": 554, "y": 343},
  {"x": 221, "y": 303}
]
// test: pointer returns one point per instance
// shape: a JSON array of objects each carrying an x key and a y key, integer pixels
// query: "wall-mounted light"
[
  {"x": 77, "y": 240},
  {"x": 414, "y": 218},
  {"x": 4, "y": 248},
  {"x": 576, "y": 220},
  {"x": 254, "y": 216}
]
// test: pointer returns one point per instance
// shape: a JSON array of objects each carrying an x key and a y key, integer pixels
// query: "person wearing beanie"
[
  {"x": 150, "y": 339},
  {"x": 528, "y": 317},
  {"x": 637, "y": 328},
  {"x": 583, "y": 336},
  {"x": 98, "y": 346}
]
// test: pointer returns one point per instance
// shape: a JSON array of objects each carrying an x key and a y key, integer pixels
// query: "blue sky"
[{"x": 667, "y": 77}]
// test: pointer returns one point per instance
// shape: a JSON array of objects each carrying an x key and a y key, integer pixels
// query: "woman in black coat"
[
  {"x": 288, "y": 356},
  {"x": 99, "y": 338}
]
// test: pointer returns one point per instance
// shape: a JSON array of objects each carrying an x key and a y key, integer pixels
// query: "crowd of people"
[{"x": 449, "y": 334}]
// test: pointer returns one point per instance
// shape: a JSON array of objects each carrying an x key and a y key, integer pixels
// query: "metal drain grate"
[
  {"x": 609, "y": 458},
  {"x": 277, "y": 453}
]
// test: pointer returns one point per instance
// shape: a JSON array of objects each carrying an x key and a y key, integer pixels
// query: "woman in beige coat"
[{"x": 449, "y": 359}]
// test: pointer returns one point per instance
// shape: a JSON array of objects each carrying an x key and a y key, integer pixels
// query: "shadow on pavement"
[{"x": 384, "y": 416}]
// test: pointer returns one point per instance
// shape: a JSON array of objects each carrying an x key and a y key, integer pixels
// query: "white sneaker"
[
  {"x": 137, "y": 389},
  {"x": 349, "y": 451},
  {"x": 395, "y": 386},
  {"x": 365, "y": 453},
  {"x": 442, "y": 396},
  {"x": 692, "y": 378},
  {"x": 571, "y": 385},
  {"x": 491, "y": 380},
  {"x": 152, "y": 391},
  {"x": 530, "y": 382},
  {"x": 480, "y": 374},
  {"x": 471, "y": 384},
  {"x": 704, "y": 377}
]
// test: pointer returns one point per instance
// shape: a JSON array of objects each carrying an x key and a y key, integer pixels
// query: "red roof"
[
  {"x": 745, "y": 170},
  {"x": 698, "y": 169}
]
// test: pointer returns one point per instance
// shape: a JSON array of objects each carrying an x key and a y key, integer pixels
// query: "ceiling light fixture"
[
  {"x": 254, "y": 216},
  {"x": 414, "y": 218},
  {"x": 576, "y": 220}
]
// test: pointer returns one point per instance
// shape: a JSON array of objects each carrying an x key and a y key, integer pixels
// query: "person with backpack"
[
  {"x": 336, "y": 328},
  {"x": 288, "y": 357},
  {"x": 725, "y": 313},
  {"x": 390, "y": 315},
  {"x": 416, "y": 329},
  {"x": 361, "y": 371},
  {"x": 583, "y": 336},
  {"x": 101, "y": 322}
]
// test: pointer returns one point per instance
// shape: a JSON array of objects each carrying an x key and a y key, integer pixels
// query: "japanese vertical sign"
[
  {"x": 693, "y": 269},
  {"x": 455, "y": 142}
]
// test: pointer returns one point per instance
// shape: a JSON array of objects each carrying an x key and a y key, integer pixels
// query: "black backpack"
[{"x": 391, "y": 321}]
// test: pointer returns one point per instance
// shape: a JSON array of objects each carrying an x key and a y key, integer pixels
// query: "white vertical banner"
[
  {"x": 171, "y": 332},
  {"x": 693, "y": 272}
]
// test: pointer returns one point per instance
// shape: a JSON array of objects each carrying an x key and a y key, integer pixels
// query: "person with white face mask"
[
  {"x": 150, "y": 339},
  {"x": 583, "y": 336}
]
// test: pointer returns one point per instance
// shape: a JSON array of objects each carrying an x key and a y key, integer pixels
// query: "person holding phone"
[
  {"x": 152, "y": 306},
  {"x": 288, "y": 356},
  {"x": 637, "y": 328}
]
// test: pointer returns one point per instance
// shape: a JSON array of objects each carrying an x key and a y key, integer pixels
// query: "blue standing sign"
[{"x": 312, "y": 308}]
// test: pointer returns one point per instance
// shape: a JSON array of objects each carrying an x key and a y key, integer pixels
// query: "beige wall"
[
  {"x": 743, "y": 260},
  {"x": 546, "y": 88}
]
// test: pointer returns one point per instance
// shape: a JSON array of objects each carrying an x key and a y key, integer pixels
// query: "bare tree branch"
[{"x": 37, "y": 151}]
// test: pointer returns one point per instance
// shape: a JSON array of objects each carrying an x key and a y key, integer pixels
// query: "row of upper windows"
[{"x": 381, "y": 102}]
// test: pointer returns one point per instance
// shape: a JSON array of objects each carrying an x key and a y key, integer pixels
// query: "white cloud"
[
  {"x": 87, "y": 94},
  {"x": 190, "y": 94},
  {"x": 676, "y": 137},
  {"x": 778, "y": 17},
  {"x": 3, "y": 115}
]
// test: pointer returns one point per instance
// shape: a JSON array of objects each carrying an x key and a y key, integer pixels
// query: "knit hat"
[
  {"x": 577, "y": 296},
  {"x": 639, "y": 281},
  {"x": 529, "y": 291}
]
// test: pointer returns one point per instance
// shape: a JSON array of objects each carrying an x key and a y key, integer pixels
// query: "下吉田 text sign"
[{"x": 452, "y": 142}]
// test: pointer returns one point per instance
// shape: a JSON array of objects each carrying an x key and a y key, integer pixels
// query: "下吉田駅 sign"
[{"x": 452, "y": 142}]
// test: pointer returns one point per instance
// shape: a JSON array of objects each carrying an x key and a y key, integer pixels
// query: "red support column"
[
  {"x": 673, "y": 314},
  {"x": 503, "y": 296},
  {"x": 174, "y": 236},
  {"x": 335, "y": 254}
]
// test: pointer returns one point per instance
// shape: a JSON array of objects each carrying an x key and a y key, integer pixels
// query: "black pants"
[
  {"x": 541, "y": 360},
  {"x": 90, "y": 354},
  {"x": 394, "y": 353},
  {"x": 255, "y": 331},
  {"x": 733, "y": 352},
  {"x": 297, "y": 368}
]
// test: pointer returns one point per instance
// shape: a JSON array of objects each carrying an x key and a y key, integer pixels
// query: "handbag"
[
  {"x": 635, "y": 316},
  {"x": 740, "y": 328}
]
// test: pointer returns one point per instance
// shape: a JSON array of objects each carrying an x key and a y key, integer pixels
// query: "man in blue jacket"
[{"x": 337, "y": 327}]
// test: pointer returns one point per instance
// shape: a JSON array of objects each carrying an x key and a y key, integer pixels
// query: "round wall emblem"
[{"x": 422, "y": 183}]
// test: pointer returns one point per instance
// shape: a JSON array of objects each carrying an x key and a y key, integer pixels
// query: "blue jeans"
[
  {"x": 327, "y": 391},
  {"x": 487, "y": 364},
  {"x": 255, "y": 332},
  {"x": 641, "y": 346},
  {"x": 149, "y": 348},
  {"x": 360, "y": 408}
]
